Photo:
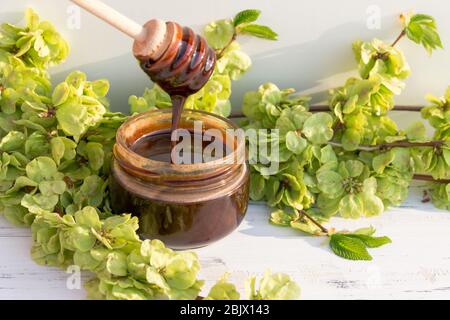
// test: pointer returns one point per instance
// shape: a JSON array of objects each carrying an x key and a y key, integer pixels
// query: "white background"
[{"x": 313, "y": 52}]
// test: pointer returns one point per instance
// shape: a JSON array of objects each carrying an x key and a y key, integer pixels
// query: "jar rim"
[{"x": 149, "y": 169}]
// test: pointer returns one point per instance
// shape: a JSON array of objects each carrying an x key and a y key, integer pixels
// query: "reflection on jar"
[{"x": 184, "y": 205}]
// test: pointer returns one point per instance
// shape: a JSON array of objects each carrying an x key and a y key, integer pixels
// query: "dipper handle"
[{"x": 113, "y": 17}]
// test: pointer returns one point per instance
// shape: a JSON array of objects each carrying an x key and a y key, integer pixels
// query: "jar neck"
[
  {"x": 166, "y": 173},
  {"x": 187, "y": 192}
]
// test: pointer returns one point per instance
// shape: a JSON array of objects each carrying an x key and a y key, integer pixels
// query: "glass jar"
[{"x": 184, "y": 205}]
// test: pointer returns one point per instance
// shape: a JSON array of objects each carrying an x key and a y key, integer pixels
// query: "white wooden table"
[{"x": 415, "y": 265}]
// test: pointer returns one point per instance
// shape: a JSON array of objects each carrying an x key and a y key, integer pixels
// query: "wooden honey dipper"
[{"x": 175, "y": 58}]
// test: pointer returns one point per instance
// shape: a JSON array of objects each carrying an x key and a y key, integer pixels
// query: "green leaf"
[
  {"x": 100, "y": 87},
  {"x": 292, "y": 182},
  {"x": 223, "y": 290},
  {"x": 373, "y": 205},
  {"x": 37, "y": 145},
  {"x": 116, "y": 263},
  {"x": 281, "y": 218},
  {"x": 259, "y": 31},
  {"x": 85, "y": 260},
  {"x": 277, "y": 286},
  {"x": 88, "y": 217},
  {"x": 95, "y": 155},
  {"x": 369, "y": 241},
  {"x": 60, "y": 94},
  {"x": 32, "y": 19},
  {"x": 295, "y": 143},
  {"x": 70, "y": 118},
  {"x": 24, "y": 44},
  {"x": 22, "y": 182},
  {"x": 351, "y": 139},
  {"x": 317, "y": 128},
  {"x": 351, "y": 206},
  {"x": 41, "y": 168},
  {"x": 380, "y": 162},
  {"x": 353, "y": 168},
  {"x": 155, "y": 278},
  {"x": 257, "y": 186},
  {"x": 39, "y": 203},
  {"x": 246, "y": 16},
  {"x": 12, "y": 141},
  {"x": 31, "y": 125},
  {"x": 349, "y": 248},
  {"x": 58, "y": 149},
  {"x": 330, "y": 183},
  {"x": 82, "y": 238},
  {"x": 416, "y": 131},
  {"x": 307, "y": 227},
  {"x": 219, "y": 33},
  {"x": 52, "y": 187},
  {"x": 368, "y": 231},
  {"x": 421, "y": 29}
]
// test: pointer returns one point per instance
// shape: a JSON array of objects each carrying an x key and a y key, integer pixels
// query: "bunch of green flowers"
[
  {"x": 50, "y": 160},
  {"x": 37, "y": 44}
]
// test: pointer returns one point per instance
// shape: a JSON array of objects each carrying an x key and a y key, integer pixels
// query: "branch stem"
[
  {"x": 222, "y": 51},
  {"x": 424, "y": 177},
  {"x": 326, "y": 108},
  {"x": 398, "y": 144},
  {"x": 322, "y": 228},
  {"x": 400, "y": 36}
]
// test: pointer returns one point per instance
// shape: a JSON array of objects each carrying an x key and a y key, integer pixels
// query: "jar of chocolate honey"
[{"x": 186, "y": 204}]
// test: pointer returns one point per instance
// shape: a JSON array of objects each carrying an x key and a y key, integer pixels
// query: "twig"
[
  {"x": 326, "y": 108},
  {"x": 398, "y": 144},
  {"x": 424, "y": 177},
  {"x": 401, "y": 35},
  {"x": 322, "y": 228},
  {"x": 221, "y": 52},
  {"x": 408, "y": 108}
]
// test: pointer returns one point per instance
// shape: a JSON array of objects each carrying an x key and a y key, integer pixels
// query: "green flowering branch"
[
  {"x": 330, "y": 158},
  {"x": 398, "y": 144},
  {"x": 326, "y": 108}
]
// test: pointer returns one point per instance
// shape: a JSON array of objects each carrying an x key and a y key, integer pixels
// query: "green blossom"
[{"x": 349, "y": 190}]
